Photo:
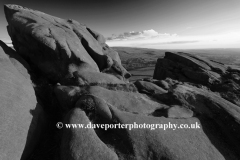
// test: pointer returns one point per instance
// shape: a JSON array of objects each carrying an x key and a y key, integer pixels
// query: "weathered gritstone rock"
[
  {"x": 20, "y": 64},
  {"x": 163, "y": 84},
  {"x": 57, "y": 47},
  {"x": 105, "y": 48},
  {"x": 127, "y": 101},
  {"x": 78, "y": 144},
  {"x": 69, "y": 95},
  {"x": 91, "y": 77},
  {"x": 183, "y": 144},
  {"x": 185, "y": 89},
  {"x": 21, "y": 116},
  {"x": 205, "y": 103},
  {"x": 102, "y": 106},
  {"x": 149, "y": 88},
  {"x": 200, "y": 71}
]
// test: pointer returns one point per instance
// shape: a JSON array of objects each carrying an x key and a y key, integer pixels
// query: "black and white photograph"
[{"x": 119, "y": 79}]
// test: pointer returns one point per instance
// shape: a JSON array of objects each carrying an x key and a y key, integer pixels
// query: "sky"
[{"x": 161, "y": 24}]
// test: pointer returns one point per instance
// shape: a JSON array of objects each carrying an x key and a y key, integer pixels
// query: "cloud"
[
  {"x": 149, "y": 33},
  {"x": 153, "y": 39},
  {"x": 132, "y": 33},
  {"x": 136, "y": 35}
]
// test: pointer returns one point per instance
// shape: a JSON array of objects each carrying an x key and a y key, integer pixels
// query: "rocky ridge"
[{"x": 63, "y": 71}]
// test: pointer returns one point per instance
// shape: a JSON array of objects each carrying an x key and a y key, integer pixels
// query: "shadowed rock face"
[
  {"x": 200, "y": 71},
  {"x": 68, "y": 69},
  {"x": 21, "y": 116}
]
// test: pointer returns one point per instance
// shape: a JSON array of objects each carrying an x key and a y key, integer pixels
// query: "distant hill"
[
  {"x": 141, "y": 61},
  {"x": 227, "y": 56}
]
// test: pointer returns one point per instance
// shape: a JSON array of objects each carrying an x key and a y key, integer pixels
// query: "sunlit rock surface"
[{"x": 62, "y": 71}]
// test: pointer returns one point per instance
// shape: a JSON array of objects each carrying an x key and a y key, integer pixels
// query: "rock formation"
[
  {"x": 57, "y": 47},
  {"x": 62, "y": 71},
  {"x": 21, "y": 116},
  {"x": 199, "y": 71}
]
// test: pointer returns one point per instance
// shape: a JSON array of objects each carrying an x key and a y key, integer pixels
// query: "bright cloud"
[
  {"x": 135, "y": 35},
  {"x": 152, "y": 39},
  {"x": 149, "y": 33}
]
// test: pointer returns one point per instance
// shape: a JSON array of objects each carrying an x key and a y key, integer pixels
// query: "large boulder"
[
  {"x": 192, "y": 68},
  {"x": 200, "y": 71},
  {"x": 55, "y": 46},
  {"x": 158, "y": 143},
  {"x": 206, "y": 104},
  {"x": 21, "y": 116},
  {"x": 201, "y": 141}
]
